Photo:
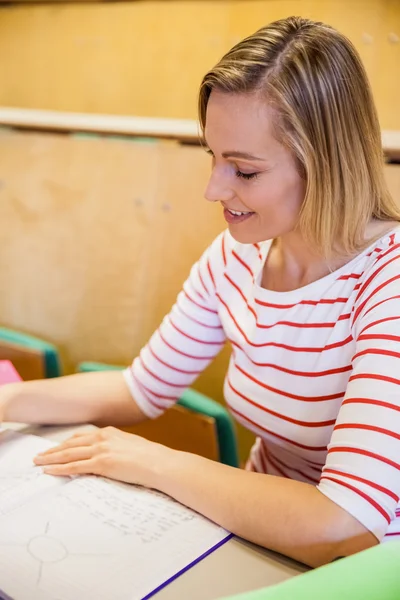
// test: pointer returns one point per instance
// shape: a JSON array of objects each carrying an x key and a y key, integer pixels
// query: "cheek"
[
  {"x": 283, "y": 194},
  {"x": 298, "y": 193},
  {"x": 288, "y": 192},
  {"x": 277, "y": 202}
]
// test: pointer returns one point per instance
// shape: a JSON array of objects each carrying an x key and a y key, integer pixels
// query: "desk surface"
[{"x": 235, "y": 567}]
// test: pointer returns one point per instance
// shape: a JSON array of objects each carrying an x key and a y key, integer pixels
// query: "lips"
[
  {"x": 238, "y": 213},
  {"x": 235, "y": 217}
]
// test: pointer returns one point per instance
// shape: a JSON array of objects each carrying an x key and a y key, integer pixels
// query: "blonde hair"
[{"x": 313, "y": 76}]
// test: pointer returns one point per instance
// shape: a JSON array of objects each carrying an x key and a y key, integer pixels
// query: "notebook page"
[
  {"x": 20, "y": 479},
  {"x": 97, "y": 539}
]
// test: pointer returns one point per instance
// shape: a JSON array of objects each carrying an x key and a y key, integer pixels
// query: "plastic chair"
[
  {"x": 213, "y": 420},
  {"x": 33, "y": 358}
]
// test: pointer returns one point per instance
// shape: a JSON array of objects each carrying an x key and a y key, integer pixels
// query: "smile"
[
  {"x": 235, "y": 216},
  {"x": 236, "y": 212}
]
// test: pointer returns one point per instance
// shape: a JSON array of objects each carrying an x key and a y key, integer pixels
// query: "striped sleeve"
[
  {"x": 362, "y": 470},
  {"x": 188, "y": 339}
]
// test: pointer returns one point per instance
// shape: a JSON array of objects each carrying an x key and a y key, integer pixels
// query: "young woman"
[{"x": 304, "y": 284}]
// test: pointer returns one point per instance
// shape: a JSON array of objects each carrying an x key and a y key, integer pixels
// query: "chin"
[{"x": 247, "y": 237}]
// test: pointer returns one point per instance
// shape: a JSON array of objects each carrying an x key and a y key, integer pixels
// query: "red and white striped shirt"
[{"x": 314, "y": 372}]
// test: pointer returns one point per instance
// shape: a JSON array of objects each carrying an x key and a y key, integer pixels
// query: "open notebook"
[{"x": 88, "y": 537}]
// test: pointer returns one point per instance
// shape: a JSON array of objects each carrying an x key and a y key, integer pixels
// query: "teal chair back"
[
  {"x": 23, "y": 350},
  {"x": 199, "y": 403}
]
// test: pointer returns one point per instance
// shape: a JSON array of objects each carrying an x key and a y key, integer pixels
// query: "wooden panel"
[
  {"x": 147, "y": 58},
  {"x": 140, "y": 58},
  {"x": 186, "y": 130},
  {"x": 29, "y": 363},
  {"x": 387, "y": 80},
  {"x": 392, "y": 173},
  {"x": 183, "y": 130},
  {"x": 391, "y": 145},
  {"x": 13, "y": 2},
  {"x": 182, "y": 429},
  {"x": 368, "y": 23},
  {"x": 97, "y": 238}
]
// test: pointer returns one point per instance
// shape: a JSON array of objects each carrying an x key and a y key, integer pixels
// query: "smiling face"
[{"x": 253, "y": 174}]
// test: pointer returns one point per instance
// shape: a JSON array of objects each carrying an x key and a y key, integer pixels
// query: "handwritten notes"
[{"x": 89, "y": 537}]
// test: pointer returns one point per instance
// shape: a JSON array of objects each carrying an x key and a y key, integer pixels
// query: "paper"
[
  {"x": 20, "y": 479},
  {"x": 92, "y": 538}
]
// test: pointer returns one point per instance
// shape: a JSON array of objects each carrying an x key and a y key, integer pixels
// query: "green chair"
[
  {"x": 373, "y": 574},
  {"x": 33, "y": 358},
  {"x": 198, "y": 403}
]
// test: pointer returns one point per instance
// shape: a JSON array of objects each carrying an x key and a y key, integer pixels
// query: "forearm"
[
  {"x": 101, "y": 398},
  {"x": 287, "y": 516}
]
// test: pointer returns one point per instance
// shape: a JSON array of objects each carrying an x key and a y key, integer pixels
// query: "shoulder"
[
  {"x": 381, "y": 259},
  {"x": 379, "y": 282},
  {"x": 249, "y": 256},
  {"x": 225, "y": 256}
]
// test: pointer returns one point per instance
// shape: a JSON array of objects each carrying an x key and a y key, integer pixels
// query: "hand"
[{"x": 108, "y": 452}]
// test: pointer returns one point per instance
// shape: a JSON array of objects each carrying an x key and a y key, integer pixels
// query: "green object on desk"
[
  {"x": 373, "y": 574},
  {"x": 199, "y": 403},
  {"x": 51, "y": 359}
]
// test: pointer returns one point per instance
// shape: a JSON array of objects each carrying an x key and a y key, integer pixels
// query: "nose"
[{"x": 218, "y": 189}]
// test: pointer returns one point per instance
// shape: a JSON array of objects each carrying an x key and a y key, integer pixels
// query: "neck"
[{"x": 292, "y": 263}]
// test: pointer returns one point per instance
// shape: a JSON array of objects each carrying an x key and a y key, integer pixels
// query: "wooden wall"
[
  {"x": 97, "y": 236},
  {"x": 147, "y": 58}
]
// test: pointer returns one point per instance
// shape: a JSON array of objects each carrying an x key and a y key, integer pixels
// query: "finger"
[
  {"x": 81, "y": 434},
  {"x": 65, "y": 456},
  {"x": 73, "y": 442},
  {"x": 82, "y": 467}
]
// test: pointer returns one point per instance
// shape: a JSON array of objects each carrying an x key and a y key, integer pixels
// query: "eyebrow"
[
  {"x": 244, "y": 155},
  {"x": 234, "y": 154}
]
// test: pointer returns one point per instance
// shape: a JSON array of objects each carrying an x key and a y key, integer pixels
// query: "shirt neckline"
[{"x": 298, "y": 293}]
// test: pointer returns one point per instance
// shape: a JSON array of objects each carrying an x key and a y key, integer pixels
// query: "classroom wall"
[
  {"x": 97, "y": 236},
  {"x": 147, "y": 58}
]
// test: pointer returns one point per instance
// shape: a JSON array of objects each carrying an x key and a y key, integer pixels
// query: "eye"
[{"x": 246, "y": 175}]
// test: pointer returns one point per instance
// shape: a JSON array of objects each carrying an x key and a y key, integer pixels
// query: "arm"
[
  {"x": 102, "y": 398},
  {"x": 286, "y": 516},
  {"x": 185, "y": 343}
]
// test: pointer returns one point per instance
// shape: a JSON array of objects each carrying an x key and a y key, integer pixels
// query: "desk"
[{"x": 236, "y": 567}]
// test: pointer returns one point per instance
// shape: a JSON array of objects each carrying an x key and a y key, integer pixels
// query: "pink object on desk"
[{"x": 8, "y": 373}]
